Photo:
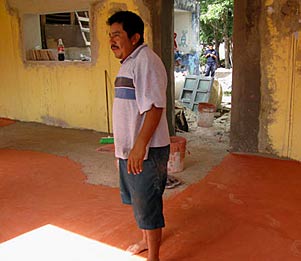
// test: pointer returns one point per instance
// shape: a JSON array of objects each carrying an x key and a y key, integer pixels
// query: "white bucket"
[
  {"x": 206, "y": 114},
  {"x": 177, "y": 154}
]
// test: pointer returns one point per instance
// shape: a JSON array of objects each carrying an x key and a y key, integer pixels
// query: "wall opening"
[
  {"x": 192, "y": 85},
  {"x": 41, "y": 34}
]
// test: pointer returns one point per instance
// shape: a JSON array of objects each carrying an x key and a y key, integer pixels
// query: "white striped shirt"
[{"x": 141, "y": 82}]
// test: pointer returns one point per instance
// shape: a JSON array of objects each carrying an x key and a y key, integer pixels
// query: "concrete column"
[
  {"x": 163, "y": 21},
  {"x": 246, "y": 76}
]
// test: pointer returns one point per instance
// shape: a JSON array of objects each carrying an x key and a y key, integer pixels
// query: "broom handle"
[{"x": 107, "y": 101}]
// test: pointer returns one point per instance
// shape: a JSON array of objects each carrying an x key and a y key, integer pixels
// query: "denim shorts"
[{"x": 144, "y": 191}]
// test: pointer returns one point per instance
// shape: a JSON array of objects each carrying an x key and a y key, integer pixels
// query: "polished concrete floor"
[{"x": 245, "y": 208}]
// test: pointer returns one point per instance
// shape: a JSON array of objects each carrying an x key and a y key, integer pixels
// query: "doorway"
[{"x": 192, "y": 35}]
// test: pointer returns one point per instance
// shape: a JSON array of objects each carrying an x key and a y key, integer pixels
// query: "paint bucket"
[
  {"x": 206, "y": 113},
  {"x": 177, "y": 154}
]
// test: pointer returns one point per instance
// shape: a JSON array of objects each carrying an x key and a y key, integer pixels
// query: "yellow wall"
[
  {"x": 281, "y": 82},
  {"x": 60, "y": 93}
]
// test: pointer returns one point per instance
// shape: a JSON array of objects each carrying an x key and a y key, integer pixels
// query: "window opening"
[{"x": 42, "y": 34}]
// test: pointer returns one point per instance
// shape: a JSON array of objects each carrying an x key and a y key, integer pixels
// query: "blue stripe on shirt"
[{"x": 125, "y": 93}]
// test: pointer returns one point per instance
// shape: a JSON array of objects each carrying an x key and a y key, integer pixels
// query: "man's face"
[
  {"x": 210, "y": 47},
  {"x": 121, "y": 45}
]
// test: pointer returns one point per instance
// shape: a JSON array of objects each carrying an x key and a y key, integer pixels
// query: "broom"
[
  {"x": 106, "y": 140},
  {"x": 109, "y": 139}
]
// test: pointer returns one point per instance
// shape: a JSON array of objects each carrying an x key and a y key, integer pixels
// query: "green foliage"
[
  {"x": 216, "y": 20},
  {"x": 202, "y": 60}
]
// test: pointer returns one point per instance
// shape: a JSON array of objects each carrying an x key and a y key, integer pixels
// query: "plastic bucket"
[
  {"x": 206, "y": 114},
  {"x": 177, "y": 154}
]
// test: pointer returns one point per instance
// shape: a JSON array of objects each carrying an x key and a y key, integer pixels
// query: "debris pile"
[{"x": 220, "y": 130}]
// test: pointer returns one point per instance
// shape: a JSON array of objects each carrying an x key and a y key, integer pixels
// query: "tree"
[{"x": 216, "y": 24}]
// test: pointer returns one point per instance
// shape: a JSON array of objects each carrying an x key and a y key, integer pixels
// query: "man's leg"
[
  {"x": 207, "y": 70},
  {"x": 153, "y": 242},
  {"x": 140, "y": 246},
  {"x": 148, "y": 203},
  {"x": 213, "y": 68}
]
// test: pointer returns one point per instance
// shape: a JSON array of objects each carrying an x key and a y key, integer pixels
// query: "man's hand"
[
  {"x": 135, "y": 159},
  {"x": 136, "y": 156}
]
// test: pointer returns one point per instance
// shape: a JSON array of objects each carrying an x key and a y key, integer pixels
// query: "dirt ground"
[{"x": 205, "y": 148}]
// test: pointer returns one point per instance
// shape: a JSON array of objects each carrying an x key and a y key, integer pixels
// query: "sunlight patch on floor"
[{"x": 51, "y": 243}]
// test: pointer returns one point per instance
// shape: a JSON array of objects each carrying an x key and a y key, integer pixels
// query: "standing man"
[
  {"x": 211, "y": 56},
  {"x": 140, "y": 128}
]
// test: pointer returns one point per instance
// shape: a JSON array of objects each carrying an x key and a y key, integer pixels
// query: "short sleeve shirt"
[
  {"x": 141, "y": 83},
  {"x": 211, "y": 59}
]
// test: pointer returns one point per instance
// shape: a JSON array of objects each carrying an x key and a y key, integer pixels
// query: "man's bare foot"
[{"x": 137, "y": 248}]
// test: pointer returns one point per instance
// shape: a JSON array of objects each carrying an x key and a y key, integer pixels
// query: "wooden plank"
[{"x": 83, "y": 19}]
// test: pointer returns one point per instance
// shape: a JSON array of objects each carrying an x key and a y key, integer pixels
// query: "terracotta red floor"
[
  {"x": 247, "y": 208},
  {"x": 6, "y": 122}
]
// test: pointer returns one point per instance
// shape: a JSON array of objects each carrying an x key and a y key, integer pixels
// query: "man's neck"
[{"x": 135, "y": 47}]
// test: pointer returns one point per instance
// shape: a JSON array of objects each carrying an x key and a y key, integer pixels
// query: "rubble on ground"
[{"x": 219, "y": 132}]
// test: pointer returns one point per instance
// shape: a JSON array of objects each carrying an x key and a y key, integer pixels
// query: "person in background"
[
  {"x": 140, "y": 128},
  {"x": 211, "y": 55}
]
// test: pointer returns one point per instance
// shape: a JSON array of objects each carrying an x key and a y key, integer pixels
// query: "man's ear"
[{"x": 135, "y": 38}]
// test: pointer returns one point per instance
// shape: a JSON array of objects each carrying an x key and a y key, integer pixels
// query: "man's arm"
[{"x": 136, "y": 156}]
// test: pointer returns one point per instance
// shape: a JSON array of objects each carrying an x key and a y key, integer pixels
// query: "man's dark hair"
[{"x": 131, "y": 23}]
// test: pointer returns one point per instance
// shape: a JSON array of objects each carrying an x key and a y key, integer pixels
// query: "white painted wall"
[
  {"x": 183, "y": 28},
  {"x": 31, "y": 31}
]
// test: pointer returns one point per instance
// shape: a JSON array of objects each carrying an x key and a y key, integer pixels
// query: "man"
[
  {"x": 140, "y": 128},
  {"x": 211, "y": 56}
]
